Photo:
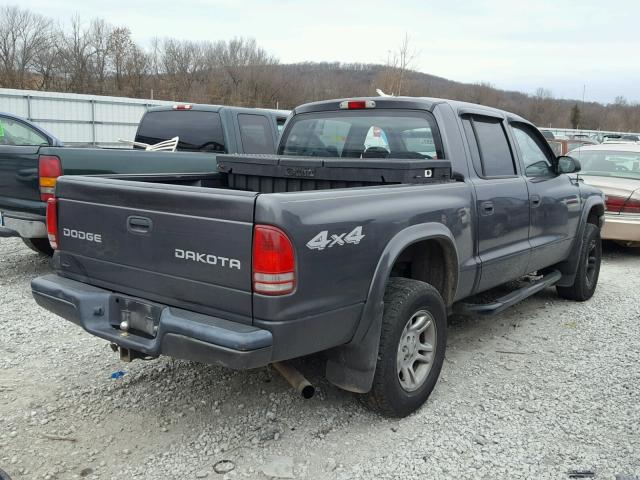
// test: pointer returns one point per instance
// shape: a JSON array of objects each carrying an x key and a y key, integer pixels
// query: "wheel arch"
[
  {"x": 352, "y": 366},
  {"x": 593, "y": 213}
]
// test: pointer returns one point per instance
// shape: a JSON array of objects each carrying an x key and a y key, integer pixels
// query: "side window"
[
  {"x": 489, "y": 146},
  {"x": 495, "y": 154},
  {"x": 255, "y": 133},
  {"x": 17, "y": 133},
  {"x": 536, "y": 161}
]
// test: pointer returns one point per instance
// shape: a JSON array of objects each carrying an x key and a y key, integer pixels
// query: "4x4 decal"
[{"x": 324, "y": 240}]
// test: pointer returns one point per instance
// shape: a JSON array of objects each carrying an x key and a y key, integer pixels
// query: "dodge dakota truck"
[
  {"x": 32, "y": 159},
  {"x": 377, "y": 218}
]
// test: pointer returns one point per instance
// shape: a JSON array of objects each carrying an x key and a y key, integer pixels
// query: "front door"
[{"x": 554, "y": 200}]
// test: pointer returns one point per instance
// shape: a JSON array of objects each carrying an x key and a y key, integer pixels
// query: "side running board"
[{"x": 508, "y": 300}]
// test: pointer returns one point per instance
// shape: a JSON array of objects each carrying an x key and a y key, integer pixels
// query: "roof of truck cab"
[
  {"x": 201, "y": 107},
  {"x": 422, "y": 103}
]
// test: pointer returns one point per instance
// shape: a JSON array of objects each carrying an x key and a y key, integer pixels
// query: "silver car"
[{"x": 614, "y": 168}]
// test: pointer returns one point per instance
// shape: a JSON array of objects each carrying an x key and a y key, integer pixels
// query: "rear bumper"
[
  {"x": 621, "y": 227},
  {"x": 23, "y": 225},
  {"x": 180, "y": 333}
]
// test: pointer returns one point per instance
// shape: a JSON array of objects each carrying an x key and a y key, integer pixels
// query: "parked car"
[
  {"x": 548, "y": 134},
  {"x": 31, "y": 159},
  {"x": 562, "y": 146},
  {"x": 615, "y": 169},
  {"x": 332, "y": 245}
]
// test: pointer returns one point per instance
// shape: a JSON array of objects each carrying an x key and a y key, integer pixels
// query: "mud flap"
[{"x": 352, "y": 366}]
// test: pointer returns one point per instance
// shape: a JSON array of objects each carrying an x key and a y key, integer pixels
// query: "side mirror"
[{"x": 567, "y": 164}]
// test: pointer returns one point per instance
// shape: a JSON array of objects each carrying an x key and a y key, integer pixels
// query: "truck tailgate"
[{"x": 178, "y": 245}]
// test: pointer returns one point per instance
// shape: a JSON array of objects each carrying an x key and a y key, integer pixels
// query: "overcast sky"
[{"x": 560, "y": 45}]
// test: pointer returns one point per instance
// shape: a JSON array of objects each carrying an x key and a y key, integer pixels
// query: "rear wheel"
[
  {"x": 39, "y": 245},
  {"x": 588, "y": 271},
  {"x": 412, "y": 346}
]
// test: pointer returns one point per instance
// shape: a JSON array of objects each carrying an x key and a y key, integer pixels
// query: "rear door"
[
  {"x": 179, "y": 245},
  {"x": 554, "y": 200},
  {"x": 19, "y": 147},
  {"x": 502, "y": 202}
]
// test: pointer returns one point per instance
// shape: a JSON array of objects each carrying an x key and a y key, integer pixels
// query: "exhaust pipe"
[{"x": 295, "y": 379}]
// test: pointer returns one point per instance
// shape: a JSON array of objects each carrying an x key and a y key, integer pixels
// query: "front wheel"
[
  {"x": 588, "y": 271},
  {"x": 412, "y": 345},
  {"x": 39, "y": 245}
]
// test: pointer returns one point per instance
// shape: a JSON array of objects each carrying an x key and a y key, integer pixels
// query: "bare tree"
[
  {"x": 76, "y": 55},
  {"x": 98, "y": 36},
  {"x": 22, "y": 35},
  {"x": 121, "y": 47},
  {"x": 137, "y": 68},
  {"x": 399, "y": 63}
]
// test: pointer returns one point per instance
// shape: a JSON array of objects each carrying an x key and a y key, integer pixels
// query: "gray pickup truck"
[
  {"x": 31, "y": 159},
  {"x": 376, "y": 220}
]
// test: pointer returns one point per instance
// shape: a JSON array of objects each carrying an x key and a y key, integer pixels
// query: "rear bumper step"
[{"x": 178, "y": 333}]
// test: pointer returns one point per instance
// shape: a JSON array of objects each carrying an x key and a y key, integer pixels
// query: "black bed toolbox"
[{"x": 275, "y": 173}]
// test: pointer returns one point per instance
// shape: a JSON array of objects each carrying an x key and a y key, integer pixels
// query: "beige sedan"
[{"x": 614, "y": 168}]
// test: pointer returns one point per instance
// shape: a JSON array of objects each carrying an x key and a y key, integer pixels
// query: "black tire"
[
  {"x": 588, "y": 271},
  {"x": 403, "y": 299},
  {"x": 39, "y": 245}
]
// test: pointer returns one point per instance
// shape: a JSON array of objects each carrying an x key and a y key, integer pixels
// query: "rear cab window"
[
  {"x": 382, "y": 133},
  {"x": 198, "y": 130}
]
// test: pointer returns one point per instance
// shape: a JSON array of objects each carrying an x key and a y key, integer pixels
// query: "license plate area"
[{"x": 134, "y": 316}]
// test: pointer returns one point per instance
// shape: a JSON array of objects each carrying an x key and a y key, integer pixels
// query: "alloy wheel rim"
[{"x": 416, "y": 350}]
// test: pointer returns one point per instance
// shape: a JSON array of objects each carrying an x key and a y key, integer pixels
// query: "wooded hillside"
[{"x": 98, "y": 58}]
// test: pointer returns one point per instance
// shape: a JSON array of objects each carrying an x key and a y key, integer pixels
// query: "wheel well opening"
[
  {"x": 432, "y": 261},
  {"x": 595, "y": 215}
]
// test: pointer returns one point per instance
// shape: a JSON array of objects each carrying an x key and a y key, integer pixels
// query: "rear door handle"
[
  {"x": 487, "y": 208},
  {"x": 535, "y": 200},
  {"x": 139, "y": 224}
]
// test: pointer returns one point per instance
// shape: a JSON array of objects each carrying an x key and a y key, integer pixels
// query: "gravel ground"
[{"x": 548, "y": 387}]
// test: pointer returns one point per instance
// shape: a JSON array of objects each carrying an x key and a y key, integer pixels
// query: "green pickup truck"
[{"x": 31, "y": 159}]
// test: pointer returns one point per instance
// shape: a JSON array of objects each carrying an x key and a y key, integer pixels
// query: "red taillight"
[
  {"x": 273, "y": 261},
  {"x": 182, "y": 107},
  {"x": 617, "y": 204},
  {"x": 632, "y": 205},
  {"x": 613, "y": 203},
  {"x": 49, "y": 169},
  {"x": 357, "y": 104},
  {"x": 52, "y": 221}
]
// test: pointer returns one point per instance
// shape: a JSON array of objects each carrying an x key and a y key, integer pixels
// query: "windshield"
[
  {"x": 609, "y": 163},
  {"x": 363, "y": 134}
]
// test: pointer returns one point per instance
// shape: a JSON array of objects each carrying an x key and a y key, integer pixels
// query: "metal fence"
[
  {"x": 79, "y": 119},
  {"x": 100, "y": 120},
  {"x": 595, "y": 134}
]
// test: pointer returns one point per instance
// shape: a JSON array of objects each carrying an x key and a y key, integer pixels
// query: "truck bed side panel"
[{"x": 340, "y": 274}]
